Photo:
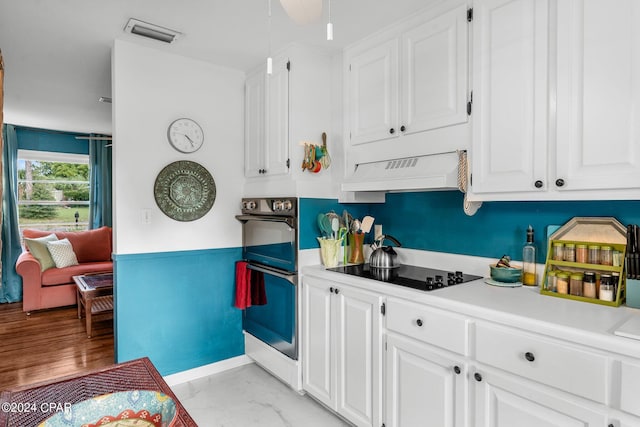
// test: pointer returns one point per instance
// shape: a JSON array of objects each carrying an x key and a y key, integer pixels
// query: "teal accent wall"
[
  {"x": 177, "y": 308},
  {"x": 48, "y": 140},
  {"x": 435, "y": 221}
]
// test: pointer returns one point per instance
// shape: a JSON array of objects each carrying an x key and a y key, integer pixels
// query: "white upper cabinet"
[
  {"x": 435, "y": 72},
  {"x": 510, "y": 90},
  {"x": 373, "y": 92},
  {"x": 407, "y": 87},
  {"x": 556, "y": 100},
  {"x": 598, "y": 94},
  {"x": 267, "y": 121}
]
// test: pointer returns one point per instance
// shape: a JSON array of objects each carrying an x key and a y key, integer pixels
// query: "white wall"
[{"x": 150, "y": 90}]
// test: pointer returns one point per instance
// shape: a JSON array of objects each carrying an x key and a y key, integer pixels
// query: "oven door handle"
[
  {"x": 291, "y": 277},
  {"x": 290, "y": 221}
]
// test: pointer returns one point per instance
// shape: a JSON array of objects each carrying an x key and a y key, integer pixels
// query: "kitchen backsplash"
[{"x": 435, "y": 221}]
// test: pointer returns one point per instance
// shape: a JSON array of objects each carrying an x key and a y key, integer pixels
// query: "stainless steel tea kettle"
[{"x": 384, "y": 256}]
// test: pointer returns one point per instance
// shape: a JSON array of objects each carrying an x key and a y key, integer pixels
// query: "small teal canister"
[{"x": 633, "y": 293}]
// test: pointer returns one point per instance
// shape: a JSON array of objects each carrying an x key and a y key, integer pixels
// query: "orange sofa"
[{"x": 55, "y": 287}]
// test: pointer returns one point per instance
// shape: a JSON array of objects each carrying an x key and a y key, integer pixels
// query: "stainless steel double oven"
[{"x": 270, "y": 246}]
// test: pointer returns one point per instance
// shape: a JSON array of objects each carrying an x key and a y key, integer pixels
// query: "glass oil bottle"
[{"x": 529, "y": 276}]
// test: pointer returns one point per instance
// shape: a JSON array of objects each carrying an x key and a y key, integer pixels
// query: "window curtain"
[
  {"x": 11, "y": 290},
  {"x": 100, "y": 198}
]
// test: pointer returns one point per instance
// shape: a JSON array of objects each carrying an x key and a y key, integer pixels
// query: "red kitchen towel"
[
  {"x": 243, "y": 285},
  {"x": 258, "y": 293}
]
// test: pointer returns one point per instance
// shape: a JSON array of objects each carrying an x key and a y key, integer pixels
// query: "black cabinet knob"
[
  {"x": 331, "y": 289},
  {"x": 559, "y": 182},
  {"x": 457, "y": 370},
  {"x": 477, "y": 376},
  {"x": 403, "y": 128},
  {"x": 529, "y": 356},
  {"x": 611, "y": 425},
  {"x": 392, "y": 131},
  {"x": 419, "y": 322},
  {"x": 538, "y": 184},
  {"x": 337, "y": 291}
]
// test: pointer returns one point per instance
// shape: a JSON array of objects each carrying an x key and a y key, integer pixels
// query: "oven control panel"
[{"x": 286, "y": 206}]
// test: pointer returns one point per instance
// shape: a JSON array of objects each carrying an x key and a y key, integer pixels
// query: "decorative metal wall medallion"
[{"x": 184, "y": 190}]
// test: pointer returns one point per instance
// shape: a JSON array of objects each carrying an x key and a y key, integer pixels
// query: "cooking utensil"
[
  {"x": 324, "y": 224},
  {"x": 384, "y": 256},
  {"x": 629, "y": 258},
  {"x": 326, "y": 159},
  {"x": 335, "y": 226},
  {"x": 355, "y": 226},
  {"x": 636, "y": 251},
  {"x": 305, "y": 159},
  {"x": 367, "y": 223}
]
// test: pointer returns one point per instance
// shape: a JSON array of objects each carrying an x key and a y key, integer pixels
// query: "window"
[{"x": 53, "y": 190}]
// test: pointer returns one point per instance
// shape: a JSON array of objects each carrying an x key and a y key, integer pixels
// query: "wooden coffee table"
[{"x": 94, "y": 295}]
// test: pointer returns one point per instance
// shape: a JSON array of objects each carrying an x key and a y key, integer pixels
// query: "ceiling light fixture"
[
  {"x": 329, "y": 25},
  {"x": 269, "y": 58},
  {"x": 152, "y": 31},
  {"x": 302, "y": 11}
]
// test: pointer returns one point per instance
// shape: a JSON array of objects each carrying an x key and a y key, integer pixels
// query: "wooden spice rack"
[{"x": 602, "y": 231}]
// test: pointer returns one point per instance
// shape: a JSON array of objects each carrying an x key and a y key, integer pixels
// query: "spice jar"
[
  {"x": 558, "y": 251},
  {"x": 606, "y": 255},
  {"x": 594, "y": 254},
  {"x": 589, "y": 284},
  {"x": 581, "y": 253},
  {"x": 606, "y": 288},
  {"x": 551, "y": 281},
  {"x": 570, "y": 252},
  {"x": 562, "y": 282},
  {"x": 575, "y": 284},
  {"x": 615, "y": 279}
]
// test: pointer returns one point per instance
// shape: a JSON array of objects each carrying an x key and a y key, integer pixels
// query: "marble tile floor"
[{"x": 249, "y": 396}]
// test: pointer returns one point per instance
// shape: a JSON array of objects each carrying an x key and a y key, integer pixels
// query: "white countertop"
[{"x": 522, "y": 307}]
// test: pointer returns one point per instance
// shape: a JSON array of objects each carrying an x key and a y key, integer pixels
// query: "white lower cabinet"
[
  {"x": 342, "y": 349},
  {"x": 503, "y": 400},
  {"x": 424, "y": 387}
]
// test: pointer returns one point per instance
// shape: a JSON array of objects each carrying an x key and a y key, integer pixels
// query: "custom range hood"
[{"x": 420, "y": 173}]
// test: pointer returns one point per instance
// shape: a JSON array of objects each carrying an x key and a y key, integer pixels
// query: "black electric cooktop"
[{"x": 424, "y": 279}]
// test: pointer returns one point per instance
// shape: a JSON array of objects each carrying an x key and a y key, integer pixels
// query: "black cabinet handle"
[
  {"x": 529, "y": 356},
  {"x": 402, "y": 128},
  {"x": 538, "y": 184},
  {"x": 457, "y": 370},
  {"x": 560, "y": 182},
  {"x": 611, "y": 425},
  {"x": 419, "y": 322},
  {"x": 337, "y": 291},
  {"x": 477, "y": 376},
  {"x": 392, "y": 131},
  {"x": 331, "y": 289}
]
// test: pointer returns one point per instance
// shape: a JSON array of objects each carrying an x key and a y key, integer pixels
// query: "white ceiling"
[{"x": 57, "y": 53}]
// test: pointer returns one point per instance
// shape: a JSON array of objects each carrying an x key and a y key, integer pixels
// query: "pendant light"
[
  {"x": 269, "y": 58},
  {"x": 329, "y": 24},
  {"x": 303, "y": 12}
]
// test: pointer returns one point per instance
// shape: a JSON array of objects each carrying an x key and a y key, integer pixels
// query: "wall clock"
[{"x": 185, "y": 135}]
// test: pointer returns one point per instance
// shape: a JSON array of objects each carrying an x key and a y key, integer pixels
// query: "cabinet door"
[
  {"x": 359, "y": 352},
  {"x": 506, "y": 401},
  {"x": 435, "y": 72},
  {"x": 277, "y": 130},
  {"x": 254, "y": 122},
  {"x": 598, "y": 94},
  {"x": 423, "y": 388},
  {"x": 317, "y": 360},
  {"x": 373, "y": 93},
  {"x": 510, "y": 96}
]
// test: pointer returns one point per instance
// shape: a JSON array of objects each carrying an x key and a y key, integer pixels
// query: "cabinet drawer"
[
  {"x": 630, "y": 388},
  {"x": 433, "y": 326},
  {"x": 569, "y": 368}
]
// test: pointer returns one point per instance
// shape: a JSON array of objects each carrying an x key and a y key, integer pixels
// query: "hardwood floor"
[{"x": 50, "y": 344}]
